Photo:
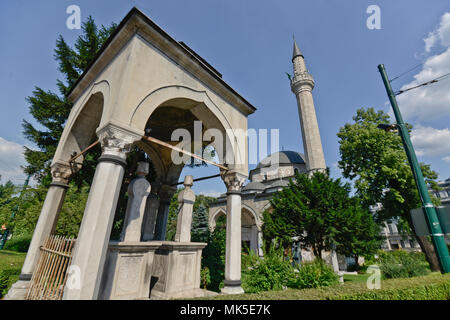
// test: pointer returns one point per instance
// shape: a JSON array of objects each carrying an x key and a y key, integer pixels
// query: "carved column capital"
[
  {"x": 233, "y": 180},
  {"x": 116, "y": 141},
  {"x": 61, "y": 173}
]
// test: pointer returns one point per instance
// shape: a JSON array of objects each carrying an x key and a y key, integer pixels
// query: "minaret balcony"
[{"x": 302, "y": 81}]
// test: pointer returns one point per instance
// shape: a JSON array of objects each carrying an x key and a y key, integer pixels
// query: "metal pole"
[
  {"x": 430, "y": 211},
  {"x": 13, "y": 214}
]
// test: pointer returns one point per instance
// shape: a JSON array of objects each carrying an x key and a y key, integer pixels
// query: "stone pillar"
[
  {"x": 44, "y": 228},
  {"x": 151, "y": 212},
  {"x": 232, "y": 282},
  {"x": 165, "y": 195},
  {"x": 334, "y": 261},
  {"x": 186, "y": 199},
  {"x": 254, "y": 245},
  {"x": 93, "y": 238},
  {"x": 260, "y": 243},
  {"x": 138, "y": 191}
]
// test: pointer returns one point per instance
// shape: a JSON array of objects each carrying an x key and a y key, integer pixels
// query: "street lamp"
[{"x": 430, "y": 211}]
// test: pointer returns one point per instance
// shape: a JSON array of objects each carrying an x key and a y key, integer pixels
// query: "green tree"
[
  {"x": 213, "y": 255},
  {"x": 359, "y": 235},
  {"x": 50, "y": 110},
  {"x": 200, "y": 229},
  {"x": 319, "y": 211},
  {"x": 377, "y": 163}
]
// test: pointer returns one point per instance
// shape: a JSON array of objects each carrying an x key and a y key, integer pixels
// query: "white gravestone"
[
  {"x": 186, "y": 199},
  {"x": 138, "y": 191}
]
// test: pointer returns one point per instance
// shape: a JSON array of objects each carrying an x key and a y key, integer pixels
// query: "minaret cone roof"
[{"x": 297, "y": 52}]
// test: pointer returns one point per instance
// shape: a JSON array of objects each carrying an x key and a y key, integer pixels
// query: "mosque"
[{"x": 273, "y": 172}]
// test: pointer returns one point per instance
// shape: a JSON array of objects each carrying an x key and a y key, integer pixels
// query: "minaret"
[{"x": 302, "y": 84}]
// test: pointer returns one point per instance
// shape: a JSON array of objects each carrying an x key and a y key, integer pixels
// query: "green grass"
[
  {"x": 11, "y": 259},
  {"x": 10, "y": 265},
  {"x": 434, "y": 286},
  {"x": 356, "y": 277}
]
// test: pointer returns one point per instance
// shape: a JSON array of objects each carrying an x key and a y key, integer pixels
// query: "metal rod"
[
  {"x": 164, "y": 144},
  {"x": 83, "y": 151},
  {"x": 198, "y": 179}
]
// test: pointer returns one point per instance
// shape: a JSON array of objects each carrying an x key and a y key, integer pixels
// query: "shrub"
[
  {"x": 432, "y": 291},
  {"x": 402, "y": 264},
  {"x": 205, "y": 277},
  {"x": 19, "y": 243},
  {"x": 314, "y": 274},
  {"x": 213, "y": 258},
  {"x": 7, "y": 277},
  {"x": 272, "y": 272}
]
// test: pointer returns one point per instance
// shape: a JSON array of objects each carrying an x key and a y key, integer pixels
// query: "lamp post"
[{"x": 437, "y": 235}]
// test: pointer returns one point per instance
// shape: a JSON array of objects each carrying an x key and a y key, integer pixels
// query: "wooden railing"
[{"x": 50, "y": 276}]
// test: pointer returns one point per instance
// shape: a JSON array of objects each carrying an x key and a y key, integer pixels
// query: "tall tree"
[
  {"x": 51, "y": 110},
  {"x": 200, "y": 230},
  {"x": 377, "y": 163},
  {"x": 319, "y": 212}
]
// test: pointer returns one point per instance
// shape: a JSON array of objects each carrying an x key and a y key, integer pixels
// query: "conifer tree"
[
  {"x": 319, "y": 212},
  {"x": 50, "y": 110},
  {"x": 200, "y": 229}
]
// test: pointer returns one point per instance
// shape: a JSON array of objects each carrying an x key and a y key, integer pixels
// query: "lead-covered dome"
[{"x": 282, "y": 158}]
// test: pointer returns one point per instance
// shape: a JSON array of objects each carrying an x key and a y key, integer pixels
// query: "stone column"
[
  {"x": 232, "y": 282},
  {"x": 138, "y": 191},
  {"x": 260, "y": 243},
  {"x": 151, "y": 212},
  {"x": 93, "y": 238},
  {"x": 186, "y": 199},
  {"x": 165, "y": 195},
  {"x": 44, "y": 228}
]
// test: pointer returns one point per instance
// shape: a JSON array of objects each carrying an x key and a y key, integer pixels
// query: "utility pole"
[
  {"x": 434, "y": 226},
  {"x": 13, "y": 214}
]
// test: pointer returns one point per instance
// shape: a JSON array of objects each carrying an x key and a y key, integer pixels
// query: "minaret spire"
[
  {"x": 297, "y": 52},
  {"x": 302, "y": 85}
]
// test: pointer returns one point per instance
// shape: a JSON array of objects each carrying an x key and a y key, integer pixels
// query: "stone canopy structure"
[{"x": 142, "y": 81}]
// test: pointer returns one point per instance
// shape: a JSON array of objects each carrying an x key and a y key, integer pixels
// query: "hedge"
[
  {"x": 433, "y": 286},
  {"x": 439, "y": 291}
]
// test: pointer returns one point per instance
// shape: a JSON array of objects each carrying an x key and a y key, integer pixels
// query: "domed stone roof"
[
  {"x": 279, "y": 183},
  {"x": 258, "y": 186},
  {"x": 285, "y": 157}
]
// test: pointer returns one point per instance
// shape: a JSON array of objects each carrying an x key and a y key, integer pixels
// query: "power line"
[
  {"x": 443, "y": 77},
  {"x": 406, "y": 72}
]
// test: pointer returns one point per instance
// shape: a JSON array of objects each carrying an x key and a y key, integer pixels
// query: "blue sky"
[{"x": 250, "y": 43}]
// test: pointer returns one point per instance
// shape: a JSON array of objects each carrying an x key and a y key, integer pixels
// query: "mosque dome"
[{"x": 284, "y": 158}]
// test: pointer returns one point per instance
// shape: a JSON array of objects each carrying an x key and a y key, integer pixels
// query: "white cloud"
[
  {"x": 442, "y": 33},
  {"x": 211, "y": 193},
  {"x": 11, "y": 158},
  {"x": 429, "y": 141},
  {"x": 446, "y": 159},
  {"x": 430, "y": 41},
  {"x": 431, "y": 102}
]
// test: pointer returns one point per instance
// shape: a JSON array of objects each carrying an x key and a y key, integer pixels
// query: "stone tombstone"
[
  {"x": 138, "y": 191},
  {"x": 151, "y": 212},
  {"x": 186, "y": 199}
]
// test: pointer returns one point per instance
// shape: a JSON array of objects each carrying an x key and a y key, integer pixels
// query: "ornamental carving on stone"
[
  {"x": 233, "y": 180},
  {"x": 61, "y": 172},
  {"x": 115, "y": 140}
]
